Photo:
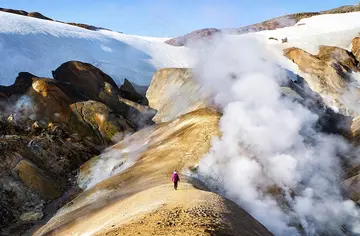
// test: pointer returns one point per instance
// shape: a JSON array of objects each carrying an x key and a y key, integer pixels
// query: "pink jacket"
[{"x": 175, "y": 177}]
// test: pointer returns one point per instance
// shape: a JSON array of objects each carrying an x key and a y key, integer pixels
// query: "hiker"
[{"x": 175, "y": 179}]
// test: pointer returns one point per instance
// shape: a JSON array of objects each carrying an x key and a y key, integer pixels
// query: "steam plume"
[{"x": 270, "y": 160}]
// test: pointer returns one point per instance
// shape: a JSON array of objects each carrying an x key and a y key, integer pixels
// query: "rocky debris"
[
  {"x": 329, "y": 73},
  {"x": 174, "y": 92},
  {"x": 35, "y": 168}
]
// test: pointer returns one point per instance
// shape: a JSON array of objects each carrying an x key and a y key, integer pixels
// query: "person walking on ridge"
[{"x": 175, "y": 179}]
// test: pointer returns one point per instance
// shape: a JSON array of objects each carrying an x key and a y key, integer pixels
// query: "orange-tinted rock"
[
  {"x": 35, "y": 178},
  {"x": 329, "y": 73}
]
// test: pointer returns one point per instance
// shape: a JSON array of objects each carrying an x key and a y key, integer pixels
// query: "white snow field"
[{"x": 40, "y": 46}]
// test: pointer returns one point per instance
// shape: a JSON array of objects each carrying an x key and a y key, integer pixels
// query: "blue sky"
[{"x": 166, "y": 18}]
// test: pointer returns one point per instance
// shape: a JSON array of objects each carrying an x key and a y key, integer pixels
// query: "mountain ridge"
[{"x": 271, "y": 24}]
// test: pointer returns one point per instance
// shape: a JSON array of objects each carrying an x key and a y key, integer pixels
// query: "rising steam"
[{"x": 270, "y": 160}]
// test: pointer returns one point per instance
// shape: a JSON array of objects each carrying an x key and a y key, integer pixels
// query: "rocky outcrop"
[
  {"x": 140, "y": 200},
  {"x": 173, "y": 92},
  {"x": 104, "y": 123},
  {"x": 86, "y": 76},
  {"x": 329, "y": 73},
  {"x": 46, "y": 101},
  {"x": 124, "y": 101},
  {"x": 48, "y": 128},
  {"x": 36, "y": 165},
  {"x": 78, "y": 85}
]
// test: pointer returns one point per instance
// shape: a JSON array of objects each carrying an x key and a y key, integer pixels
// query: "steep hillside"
[{"x": 128, "y": 190}]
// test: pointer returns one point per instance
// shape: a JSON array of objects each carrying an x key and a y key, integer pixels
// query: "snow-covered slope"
[
  {"x": 39, "y": 46},
  {"x": 309, "y": 34}
]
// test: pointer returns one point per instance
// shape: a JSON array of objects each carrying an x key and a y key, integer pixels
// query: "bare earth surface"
[{"x": 141, "y": 200}]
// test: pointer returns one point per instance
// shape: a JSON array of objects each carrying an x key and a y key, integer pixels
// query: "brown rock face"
[
  {"x": 83, "y": 75},
  {"x": 98, "y": 86},
  {"x": 329, "y": 71},
  {"x": 173, "y": 92},
  {"x": 53, "y": 101},
  {"x": 48, "y": 100}
]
